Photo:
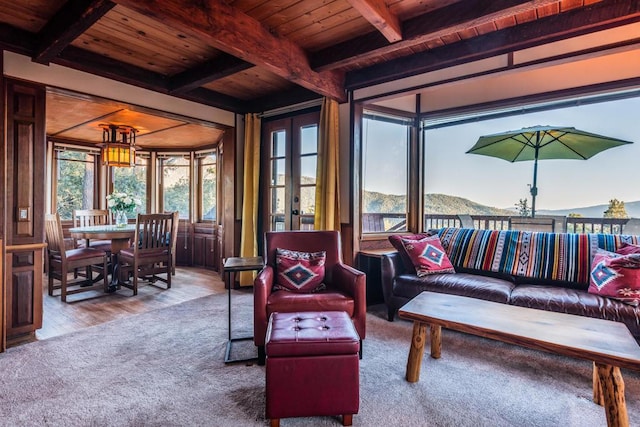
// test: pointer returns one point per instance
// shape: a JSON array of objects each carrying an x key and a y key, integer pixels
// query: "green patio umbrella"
[{"x": 543, "y": 142}]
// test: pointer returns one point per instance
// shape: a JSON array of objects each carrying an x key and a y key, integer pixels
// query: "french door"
[{"x": 289, "y": 172}]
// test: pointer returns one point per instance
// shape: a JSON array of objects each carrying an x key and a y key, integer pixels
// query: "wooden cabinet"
[
  {"x": 184, "y": 244},
  {"x": 206, "y": 247}
]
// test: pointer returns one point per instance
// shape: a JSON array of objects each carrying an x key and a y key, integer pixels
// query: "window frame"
[
  {"x": 200, "y": 185},
  {"x": 55, "y": 163},
  {"x": 412, "y": 163}
]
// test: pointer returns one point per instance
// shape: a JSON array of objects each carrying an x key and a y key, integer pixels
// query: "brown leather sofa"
[
  {"x": 345, "y": 286},
  {"x": 531, "y": 286}
]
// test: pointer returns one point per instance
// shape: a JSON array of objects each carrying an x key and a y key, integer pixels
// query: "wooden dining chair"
[
  {"x": 151, "y": 253},
  {"x": 89, "y": 217},
  {"x": 174, "y": 241},
  {"x": 63, "y": 261}
]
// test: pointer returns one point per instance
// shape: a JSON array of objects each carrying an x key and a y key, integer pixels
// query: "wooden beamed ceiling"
[{"x": 255, "y": 55}]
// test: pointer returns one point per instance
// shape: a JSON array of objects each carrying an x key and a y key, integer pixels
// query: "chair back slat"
[
  {"x": 89, "y": 217},
  {"x": 53, "y": 231},
  {"x": 154, "y": 231}
]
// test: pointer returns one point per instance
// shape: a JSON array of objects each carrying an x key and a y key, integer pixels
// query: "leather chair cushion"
[
  {"x": 463, "y": 284},
  {"x": 129, "y": 253},
  {"x": 311, "y": 334},
  {"x": 103, "y": 245},
  {"x": 82, "y": 253},
  {"x": 575, "y": 301},
  {"x": 287, "y": 302}
]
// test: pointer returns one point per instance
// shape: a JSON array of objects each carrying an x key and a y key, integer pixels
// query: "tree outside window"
[
  {"x": 208, "y": 186},
  {"x": 175, "y": 185},
  {"x": 75, "y": 181},
  {"x": 133, "y": 181}
]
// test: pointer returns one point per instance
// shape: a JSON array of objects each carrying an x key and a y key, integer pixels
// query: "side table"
[
  {"x": 369, "y": 261},
  {"x": 234, "y": 265}
]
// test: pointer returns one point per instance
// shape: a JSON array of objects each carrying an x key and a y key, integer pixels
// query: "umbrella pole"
[{"x": 534, "y": 188}]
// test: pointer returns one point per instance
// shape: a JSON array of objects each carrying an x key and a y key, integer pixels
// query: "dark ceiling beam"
[
  {"x": 16, "y": 40},
  {"x": 214, "y": 99},
  {"x": 294, "y": 96},
  {"x": 216, "y": 68},
  {"x": 73, "y": 19},
  {"x": 597, "y": 17},
  {"x": 421, "y": 29},
  {"x": 93, "y": 63},
  {"x": 84, "y": 60},
  {"x": 232, "y": 31},
  {"x": 378, "y": 14}
]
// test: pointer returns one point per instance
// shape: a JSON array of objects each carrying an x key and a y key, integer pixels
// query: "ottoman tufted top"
[{"x": 311, "y": 333}]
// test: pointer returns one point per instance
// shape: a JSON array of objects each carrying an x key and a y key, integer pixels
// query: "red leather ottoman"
[{"x": 312, "y": 366}]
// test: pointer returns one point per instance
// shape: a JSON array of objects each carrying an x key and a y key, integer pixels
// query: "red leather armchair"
[{"x": 345, "y": 286}]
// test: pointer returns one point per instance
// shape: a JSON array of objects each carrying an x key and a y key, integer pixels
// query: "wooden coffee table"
[{"x": 608, "y": 344}]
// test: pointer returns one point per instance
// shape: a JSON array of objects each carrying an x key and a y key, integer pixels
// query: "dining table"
[{"x": 119, "y": 235}]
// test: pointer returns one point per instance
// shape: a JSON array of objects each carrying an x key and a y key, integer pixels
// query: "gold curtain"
[
  {"x": 327, "y": 212},
  {"x": 248, "y": 234}
]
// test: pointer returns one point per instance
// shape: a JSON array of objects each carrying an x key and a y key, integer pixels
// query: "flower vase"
[{"x": 121, "y": 218}]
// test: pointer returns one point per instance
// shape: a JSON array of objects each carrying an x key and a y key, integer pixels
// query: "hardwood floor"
[{"x": 92, "y": 308}]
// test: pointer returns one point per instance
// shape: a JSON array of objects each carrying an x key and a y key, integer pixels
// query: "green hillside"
[{"x": 435, "y": 203}]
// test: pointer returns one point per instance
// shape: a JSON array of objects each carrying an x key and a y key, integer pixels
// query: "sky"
[{"x": 562, "y": 184}]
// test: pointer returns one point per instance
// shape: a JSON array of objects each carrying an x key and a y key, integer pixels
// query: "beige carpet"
[{"x": 165, "y": 368}]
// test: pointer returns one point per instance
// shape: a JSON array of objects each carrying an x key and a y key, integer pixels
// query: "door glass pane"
[
  {"x": 385, "y": 166},
  {"x": 278, "y": 171},
  {"x": 309, "y": 139},
  {"x": 308, "y": 166},
  {"x": 308, "y": 200},
  {"x": 279, "y": 143},
  {"x": 277, "y": 200}
]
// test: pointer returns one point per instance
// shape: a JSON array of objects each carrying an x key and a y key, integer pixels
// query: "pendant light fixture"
[{"x": 118, "y": 145}]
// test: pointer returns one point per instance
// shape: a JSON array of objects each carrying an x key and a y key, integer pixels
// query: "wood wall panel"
[
  {"x": 23, "y": 162},
  {"x": 22, "y": 294},
  {"x": 24, "y": 186},
  {"x": 23, "y": 291}
]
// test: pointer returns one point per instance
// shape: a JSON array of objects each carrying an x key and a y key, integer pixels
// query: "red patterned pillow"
[
  {"x": 628, "y": 248},
  {"x": 428, "y": 256},
  {"x": 396, "y": 242},
  {"x": 616, "y": 276},
  {"x": 300, "y": 272}
]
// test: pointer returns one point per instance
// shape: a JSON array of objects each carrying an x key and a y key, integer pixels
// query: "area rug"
[{"x": 165, "y": 368}]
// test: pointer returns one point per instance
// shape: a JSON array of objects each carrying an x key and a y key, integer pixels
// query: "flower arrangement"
[{"x": 122, "y": 202}]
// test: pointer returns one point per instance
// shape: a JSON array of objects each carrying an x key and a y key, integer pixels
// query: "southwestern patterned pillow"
[
  {"x": 616, "y": 276},
  {"x": 396, "y": 242},
  {"x": 628, "y": 248},
  {"x": 428, "y": 256},
  {"x": 301, "y": 272}
]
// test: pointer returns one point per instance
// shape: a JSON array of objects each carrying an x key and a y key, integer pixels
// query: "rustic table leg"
[
  {"x": 612, "y": 386},
  {"x": 416, "y": 352},
  {"x": 597, "y": 389},
  {"x": 436, "y": 341}
]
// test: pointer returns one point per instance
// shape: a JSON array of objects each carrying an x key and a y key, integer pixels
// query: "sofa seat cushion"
[
  {"x": 578, "y": 302},
  {"x": 287, "y": 302},
  {"x": 464, "y": 284}
]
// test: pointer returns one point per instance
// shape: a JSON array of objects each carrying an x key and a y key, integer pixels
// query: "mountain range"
[{"x": 451, "y": 205}]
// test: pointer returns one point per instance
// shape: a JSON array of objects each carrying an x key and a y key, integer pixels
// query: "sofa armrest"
[
  {"x": 262, "y": 286},
  {"x": 354, "y": 283},
  {"x": 391, "y": 266}
]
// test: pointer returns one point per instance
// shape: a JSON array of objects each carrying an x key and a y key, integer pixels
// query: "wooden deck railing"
[{"x": 389, "y": 222}]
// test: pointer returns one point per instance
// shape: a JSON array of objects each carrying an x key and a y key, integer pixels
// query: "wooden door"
[{"x": 289, "y": 172}]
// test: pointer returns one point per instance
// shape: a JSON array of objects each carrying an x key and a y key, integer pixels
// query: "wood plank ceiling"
[{"x": 256, "y": 55}]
